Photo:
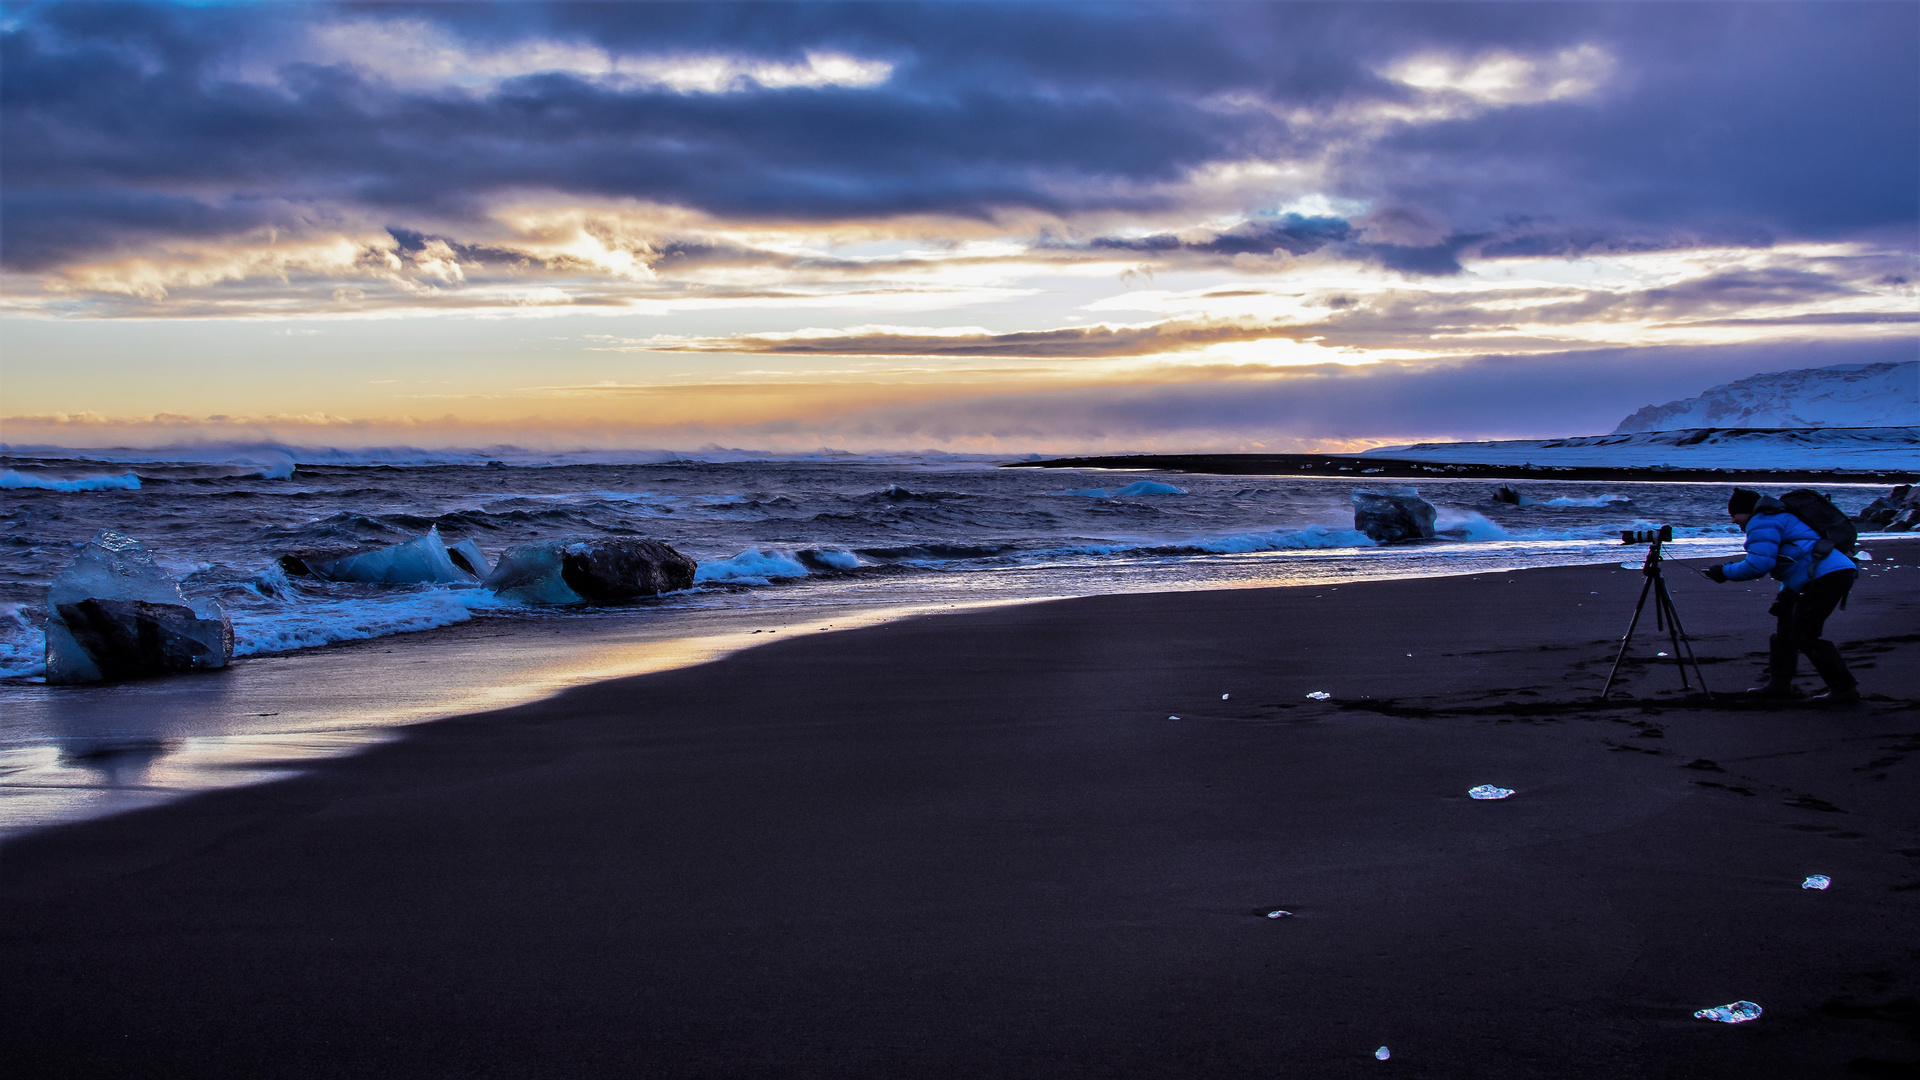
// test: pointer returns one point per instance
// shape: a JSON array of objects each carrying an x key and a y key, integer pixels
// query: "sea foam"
[
  {"x": 285, "y": 627},
  {"x": 12, "y": 480}
]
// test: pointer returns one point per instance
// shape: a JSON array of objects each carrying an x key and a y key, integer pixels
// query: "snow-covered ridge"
[
  {"x": 1877, "y": 449},
  {"x": 1845, "y": 395}
]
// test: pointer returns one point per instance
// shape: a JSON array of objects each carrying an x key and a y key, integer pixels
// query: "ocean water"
[{"x": 782, "y": 545}]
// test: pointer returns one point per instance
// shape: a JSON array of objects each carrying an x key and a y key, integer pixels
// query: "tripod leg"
[
  {"x": 1682, "y": 642},
  {"x": 1665, "y": 602},
  {"x": 1627, "y": 638}
]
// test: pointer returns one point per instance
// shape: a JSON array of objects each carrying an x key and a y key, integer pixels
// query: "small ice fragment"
[
  {"x": 1409, "y": 654},
  {"x": 1737, "y": 1013},
  {"x": 1319, "y": 695},
  {"x": 1173, "y": 718},
  {"x": 1488, "y": 791},
  {"x": 1383, "y": 1053},
  {"x": 1631, "y": 566},
  {"x": 1224, "y": 697},
  {"x": 1659, "y": 654},
  {"x": 1816, "y": 881},
  {"x": 1278, "y": 914},
  {"x": 1865, "y": 556}
]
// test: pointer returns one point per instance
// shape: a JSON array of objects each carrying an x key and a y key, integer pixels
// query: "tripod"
[{"x": 1665, "y": 617}]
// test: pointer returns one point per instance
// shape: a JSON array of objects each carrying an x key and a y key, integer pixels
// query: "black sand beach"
[{"x": 981, "y": 845}]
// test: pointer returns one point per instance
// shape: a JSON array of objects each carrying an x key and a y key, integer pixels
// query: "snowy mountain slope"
[
  {"x": 1845, "y": 395},
  {"x": 1885, "y": 449}
]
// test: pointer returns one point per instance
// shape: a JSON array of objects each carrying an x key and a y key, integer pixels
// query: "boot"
[
  {"x": 1842, "y": 687},
  {"x": 1782, "y": 661}
]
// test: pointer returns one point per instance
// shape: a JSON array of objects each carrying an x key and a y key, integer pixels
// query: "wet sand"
[{"x": 979, "y": 845}]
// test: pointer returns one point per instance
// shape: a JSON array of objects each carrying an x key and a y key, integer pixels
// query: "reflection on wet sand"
[{"x": 73, "y": 752}]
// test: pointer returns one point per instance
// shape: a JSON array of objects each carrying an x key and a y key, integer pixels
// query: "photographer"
[{"x": 1812, "y": 585}]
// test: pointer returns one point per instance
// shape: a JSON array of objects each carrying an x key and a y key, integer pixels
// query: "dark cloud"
[
  {"x": 1070, "y": 343},
  {"x": 1739, "y": 122},
  {"x": 1819, "y": 318},
  {"x": 127, "y": 123},
  {"x": 1425, "y": 260},
  {"x": 1293, "y": 234},
  {"x": 43, "y": 227},
  {"x": 413, "y": 243},
  {"x": 1744, "y": 288}
]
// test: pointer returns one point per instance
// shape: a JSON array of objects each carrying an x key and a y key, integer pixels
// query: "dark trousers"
[{"x": 1802, "y": 619}]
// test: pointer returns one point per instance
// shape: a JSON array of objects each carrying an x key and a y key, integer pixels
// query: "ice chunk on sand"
[
  {"x": 114, "y": 614},
  {"x": 467, "y": 556},
  {"x": 1738, "y": 1012},
  {"x": 1816, "y": 881},
  {"x": 1488, "y": 791},
  {"x": 1383, "y": 1053},
  {"x": 1319, "y": 695},
  {"x": 603, "y": 570},
  {"x": 420, "y": 560},
  {"x": 531, "y": 573}
]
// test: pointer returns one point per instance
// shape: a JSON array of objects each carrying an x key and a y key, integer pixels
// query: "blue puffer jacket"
[{"x": 1780, "y": 544}]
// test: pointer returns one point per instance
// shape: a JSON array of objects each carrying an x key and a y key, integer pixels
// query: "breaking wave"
[
  {"x": 288, "y": 626},
  {"x": 1138, "y": 487},
  {"x": 1595, "y": 501},
  {"x": 16, "y": 481}
]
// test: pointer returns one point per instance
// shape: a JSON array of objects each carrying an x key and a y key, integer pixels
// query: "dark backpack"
[{"x": 1836, "y": 529}]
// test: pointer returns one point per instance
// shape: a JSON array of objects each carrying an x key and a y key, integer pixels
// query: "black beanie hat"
[{"x": 1743, "y": 501}]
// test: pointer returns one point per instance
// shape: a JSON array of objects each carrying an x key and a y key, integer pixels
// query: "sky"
[{"x": 963, "y": 227}]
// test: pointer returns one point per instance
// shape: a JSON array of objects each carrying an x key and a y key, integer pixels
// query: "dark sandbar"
[{"x": 977, "y": 846}]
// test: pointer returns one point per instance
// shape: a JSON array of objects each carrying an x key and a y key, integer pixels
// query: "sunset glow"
[{"x": 964, "y": 227}]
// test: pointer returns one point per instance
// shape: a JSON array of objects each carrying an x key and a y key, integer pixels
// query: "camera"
[{"x": 1661, "y": 535}]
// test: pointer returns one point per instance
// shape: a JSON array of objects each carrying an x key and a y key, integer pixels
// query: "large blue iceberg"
[{"x": 422, "y": 560}]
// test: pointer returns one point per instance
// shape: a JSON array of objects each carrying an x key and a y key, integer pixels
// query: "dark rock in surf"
[
  {"x": 1877, "y": 514},
  {"x": 302, "y": 563},
  {"x": 1391, "y": 515},
  {"x": 605, "y": 571},
  {"x": 1505, "y": 493},
  {"x": 1896, "y": 511},
  {"x": 600, "y": 571}
]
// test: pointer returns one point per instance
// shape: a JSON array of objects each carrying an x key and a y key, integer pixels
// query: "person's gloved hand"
[{"x": 1715, "y": 573}]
